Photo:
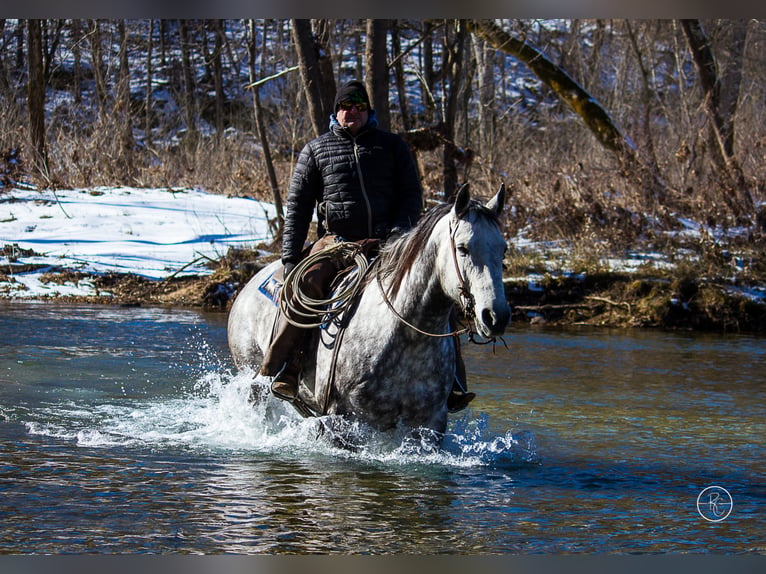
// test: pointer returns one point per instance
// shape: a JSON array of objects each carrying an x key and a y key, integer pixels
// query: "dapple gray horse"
[{"x": 389, "y": 360}]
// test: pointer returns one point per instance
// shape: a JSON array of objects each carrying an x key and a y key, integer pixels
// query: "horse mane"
[{"x": 397, "y": 257}]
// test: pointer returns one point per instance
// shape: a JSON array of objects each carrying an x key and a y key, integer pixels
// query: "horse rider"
[{"x": 364, "y": 184}]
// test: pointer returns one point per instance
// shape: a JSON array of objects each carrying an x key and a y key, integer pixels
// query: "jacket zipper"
[{"x": 364, "y": 189}]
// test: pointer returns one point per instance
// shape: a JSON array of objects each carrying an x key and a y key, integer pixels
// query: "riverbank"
[
  {"x": 187, "y": 248},
  {"x": 607, "y": 299}
]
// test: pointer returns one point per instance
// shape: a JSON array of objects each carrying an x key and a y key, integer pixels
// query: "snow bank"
[{"x": 149, "y": 232}]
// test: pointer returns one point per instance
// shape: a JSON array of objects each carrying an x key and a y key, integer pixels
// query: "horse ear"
[
  {"x": 462, "y": 200},
  {"x": 497, "y": 203}
]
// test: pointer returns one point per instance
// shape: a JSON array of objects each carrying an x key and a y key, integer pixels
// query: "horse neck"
[{"x": 421, "y": 299}]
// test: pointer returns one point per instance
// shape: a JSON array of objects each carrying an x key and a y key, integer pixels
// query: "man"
[{"x": 364, "y": 184}]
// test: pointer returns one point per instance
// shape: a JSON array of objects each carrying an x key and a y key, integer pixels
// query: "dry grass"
[{"x": 563, "y": 187}]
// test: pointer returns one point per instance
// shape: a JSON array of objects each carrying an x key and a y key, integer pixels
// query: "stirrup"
[
  {"x": 303, "y": 409},
  {"x": 287, "y": 379},
  {"x": 281, "y": 395}
]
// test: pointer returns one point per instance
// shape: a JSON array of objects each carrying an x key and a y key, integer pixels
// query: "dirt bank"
[{"x": 605, "y": 299}]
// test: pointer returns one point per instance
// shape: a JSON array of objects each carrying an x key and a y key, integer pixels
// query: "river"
[{"x": 127, "y": 430}]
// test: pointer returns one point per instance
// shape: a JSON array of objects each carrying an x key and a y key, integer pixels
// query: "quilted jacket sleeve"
[{"x": 303, "y": 194}]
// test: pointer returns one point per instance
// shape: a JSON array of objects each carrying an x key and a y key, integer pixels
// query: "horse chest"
[{"x": 395, "y": 381}]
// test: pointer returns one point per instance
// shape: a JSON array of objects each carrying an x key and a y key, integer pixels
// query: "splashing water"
[{"x": 216, "y": 415}]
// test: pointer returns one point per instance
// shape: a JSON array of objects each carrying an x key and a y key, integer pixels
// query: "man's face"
[{"x": 352, "y": 115}]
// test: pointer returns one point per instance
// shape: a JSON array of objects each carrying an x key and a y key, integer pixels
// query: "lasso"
[{"x": 306, "y": 312}]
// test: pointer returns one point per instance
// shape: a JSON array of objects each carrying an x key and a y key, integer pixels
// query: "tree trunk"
[
  {"x": 163, "y": 41},
  {"x": 454, "y": 48},
  {"x": 148, "y": 94},
  {"x": 50, "y": 44},
  {"x": 647, "y": 94},
  {"x": 401, "y": 87},
  {"x": 36, "y": 96},
  {"x": 186, "y": 65},
  {"x": 324, "y": 58},
  {"x": 735, "y": 38},
  {"x": 97, "y": 60},
  {"x": 359, "y": 68},
  {"x": 308, "y": 60},
  {"x": 427, "y": 85},
  {"x": 5, "y": 86},
  {"x": 77, "y": 37},
  {"x": 262, "y": 131},
  {"x": 218, "y": 77},
  {"x": 122, "y": 109},
  {"x": 485, "y": 60},
  {"x": 20, "y": 45},
  {"x": 377, "y": 70},
  {"x": 596, "y": 118},
  {"x": 721, "y": 117}
]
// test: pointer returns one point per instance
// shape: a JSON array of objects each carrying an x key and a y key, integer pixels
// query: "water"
[{"x": 127, "y": 430}]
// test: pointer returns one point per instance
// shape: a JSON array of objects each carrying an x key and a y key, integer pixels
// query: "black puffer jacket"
[{"x": 362, "y": 187}]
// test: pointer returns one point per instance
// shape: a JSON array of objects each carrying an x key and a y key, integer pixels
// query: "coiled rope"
[{"x": 306, "y": 312}]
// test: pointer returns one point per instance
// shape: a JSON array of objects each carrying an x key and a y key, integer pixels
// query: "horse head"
[{"x": 476, "y": 249}]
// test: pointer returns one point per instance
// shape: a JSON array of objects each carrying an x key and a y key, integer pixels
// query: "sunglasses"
[{"x": 347, "y": 106}]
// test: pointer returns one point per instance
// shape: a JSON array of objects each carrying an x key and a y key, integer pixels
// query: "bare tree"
[
  {"x": 453, "y": 64},
  {"x": 647, "y": 93},
  {"x": 149, "y": 79},
  {"x": 720, "y": 97},
  {"x": 592, "y": 113},
  {"x": 323, "y": 37},
  {"x": 428, "y": 76},
  {"x": 122, "y": 108},
  {"x": 77, "y": 38},
  {"x": 218, "y": 77},
  {"x": 97, "y": 63},
  {"x": 485, "y": 61},
  {"x": 20, "y": 44},
  {"x": 377, "y": 69},
  {"x": 261, "y": 128},
  {"x": 398, "y": 65},
  {"x": 188, "y": 78},
  {"x": 308, "y": 51},
  {"x": 588, "y": 108},
  {"x": 36, "y": 95},
  {"x": 4, "y": 83}
]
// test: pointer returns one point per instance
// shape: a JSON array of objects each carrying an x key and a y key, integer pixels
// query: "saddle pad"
[{"x": 271, "y": 287}]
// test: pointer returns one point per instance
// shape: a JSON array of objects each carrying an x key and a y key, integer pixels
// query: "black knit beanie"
[{"x": 353, "y": 91}]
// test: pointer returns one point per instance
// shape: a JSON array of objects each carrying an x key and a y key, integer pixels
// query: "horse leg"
[
  {"x": 342, "y": 433},
  {"x": 459, "y": 396}
]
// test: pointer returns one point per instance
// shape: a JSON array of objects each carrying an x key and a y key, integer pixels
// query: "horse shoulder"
[{"x": 251, "y": 319}]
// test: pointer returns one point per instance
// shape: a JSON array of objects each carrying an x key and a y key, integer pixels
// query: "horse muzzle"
[{"x": 492, "y": 322}]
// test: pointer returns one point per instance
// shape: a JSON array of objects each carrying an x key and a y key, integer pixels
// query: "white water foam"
[{"x": 215, "y": 415}]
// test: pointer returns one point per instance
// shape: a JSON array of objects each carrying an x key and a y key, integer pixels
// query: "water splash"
[{"x": 215, "y": 415}]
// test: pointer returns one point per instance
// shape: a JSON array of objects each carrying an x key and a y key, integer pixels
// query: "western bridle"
[{"x": 467, "y": 301}]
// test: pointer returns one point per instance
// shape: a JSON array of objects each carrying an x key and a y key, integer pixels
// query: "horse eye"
[{"x": 462, "y": 249}]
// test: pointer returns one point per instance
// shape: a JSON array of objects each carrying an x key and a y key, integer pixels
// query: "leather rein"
[{"x": 467, "y": 301}]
